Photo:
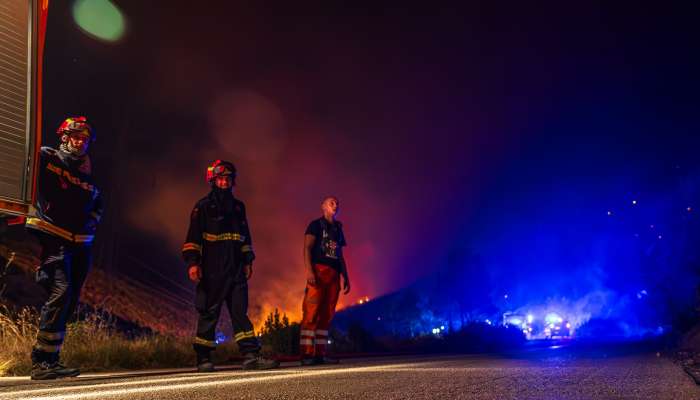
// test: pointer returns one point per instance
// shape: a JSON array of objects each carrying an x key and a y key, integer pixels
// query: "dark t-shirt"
[{"x": 329, "y": 243}]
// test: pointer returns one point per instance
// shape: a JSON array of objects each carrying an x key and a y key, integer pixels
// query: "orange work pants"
[{"x": 318, "y": 310}]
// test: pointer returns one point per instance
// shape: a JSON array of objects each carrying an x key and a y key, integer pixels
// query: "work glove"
[{"x": 195, "y": 273}]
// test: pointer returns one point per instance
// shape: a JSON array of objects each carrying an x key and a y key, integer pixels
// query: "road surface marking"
[{"x": 165, "y": 383}]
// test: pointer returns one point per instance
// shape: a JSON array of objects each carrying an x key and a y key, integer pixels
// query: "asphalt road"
[{"x": 551, "y": 374}]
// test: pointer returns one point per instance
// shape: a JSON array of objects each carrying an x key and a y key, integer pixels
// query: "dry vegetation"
[{"x": 94, "y": 345}]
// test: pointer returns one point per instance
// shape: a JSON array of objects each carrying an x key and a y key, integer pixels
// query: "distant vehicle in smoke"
[
  {"x": 520, "y": 321},
  {"x": 548, "y": 327},
  {"x": 556, "y": 326}
]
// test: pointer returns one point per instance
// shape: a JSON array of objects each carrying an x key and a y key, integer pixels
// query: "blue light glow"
[{"x": 220, "y": 338}]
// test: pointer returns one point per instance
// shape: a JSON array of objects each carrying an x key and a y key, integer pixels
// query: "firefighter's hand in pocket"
[
  {"x": 248, "y": 270},
  {"x": 195, "y": 273}
]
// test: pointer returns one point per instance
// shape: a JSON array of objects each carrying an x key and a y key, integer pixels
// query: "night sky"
[{"x": 503, "y": 129}]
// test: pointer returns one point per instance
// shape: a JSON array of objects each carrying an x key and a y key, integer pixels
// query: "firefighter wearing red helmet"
[
  {"x": 219, "y": 256},
  {"x": 69, "y": 208}
]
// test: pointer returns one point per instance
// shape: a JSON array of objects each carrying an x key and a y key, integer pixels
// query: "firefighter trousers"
[
  {"x": 237, "y": 304},
  {"x": 318, "y": 310},
  {"x": 64, "y": 267}
]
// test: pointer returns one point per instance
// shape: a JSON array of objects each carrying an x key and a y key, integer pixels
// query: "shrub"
[{"x": 279, "y": 336}]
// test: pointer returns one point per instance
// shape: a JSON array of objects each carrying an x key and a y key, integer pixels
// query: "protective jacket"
[
  {"x": 218, "y": 240},
  {"x": 69, "y": 203}
]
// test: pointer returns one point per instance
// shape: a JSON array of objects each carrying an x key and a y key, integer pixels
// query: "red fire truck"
[{"x": 22, "y": 32}]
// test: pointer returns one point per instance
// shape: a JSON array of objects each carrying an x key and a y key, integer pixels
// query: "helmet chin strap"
[
  {"x": 74, "y": 155},
  {"x": 66, "y": 146},
  {"x": 77, "y": 152},
  {"x": 220, "y": 190}
]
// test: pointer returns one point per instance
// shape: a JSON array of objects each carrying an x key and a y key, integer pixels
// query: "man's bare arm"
[
  {"x": 309, "y": 241},
  {"x": 346, "y": 277}
]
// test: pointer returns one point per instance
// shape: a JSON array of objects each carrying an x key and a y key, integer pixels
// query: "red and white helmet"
[
  {"x": 221, "y": 168},
  {"x": 76, "y": 124}
]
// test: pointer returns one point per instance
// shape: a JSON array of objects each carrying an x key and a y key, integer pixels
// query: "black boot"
[
  {"x": 46, "y": 370},
  {"x": 326, "y": 360},
  {"x": 204, "y": 363},
  {"x": 257, "y": 361},
  {"x": 309, "y": 361},
  {"x": 47, "y": 366}
]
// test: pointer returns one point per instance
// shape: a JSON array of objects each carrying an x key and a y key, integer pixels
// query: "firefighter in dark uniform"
[
  {"x": 219, "y": 255},
  {"x": 69, "y": 207}
]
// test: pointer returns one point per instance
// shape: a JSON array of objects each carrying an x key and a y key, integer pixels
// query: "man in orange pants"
[{"x": 323, "y": 259}]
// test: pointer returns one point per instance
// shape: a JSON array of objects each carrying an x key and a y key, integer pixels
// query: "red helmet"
[
  {"x": 220, "y": 168},
  {"x": 75, "y": 124}
]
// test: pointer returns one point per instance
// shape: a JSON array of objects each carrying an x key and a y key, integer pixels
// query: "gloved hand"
[
  {"x": 195, "y": 273},
  {"x": 248, "y": 270}
]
